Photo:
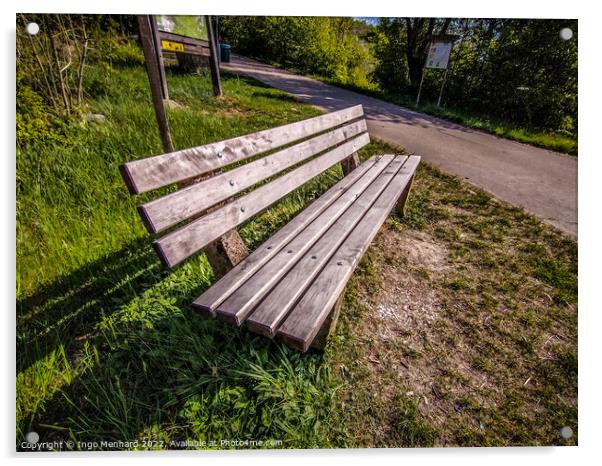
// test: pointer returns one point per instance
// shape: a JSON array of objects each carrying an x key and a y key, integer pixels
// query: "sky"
[{"x": 368, "y": 19}]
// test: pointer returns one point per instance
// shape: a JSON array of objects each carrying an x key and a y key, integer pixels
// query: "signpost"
[
  {"x": 439, "y": 52},
  {"x": 153, "y": 41},
  {"x": 213, "y": 58},
  {"x": 173, "y": 42},
  {"x": 438, "y": 59},
  {"x": 154, "y": 69},
  {"x": 191, "y": 51},
  {"x": 160, "y": 64}
]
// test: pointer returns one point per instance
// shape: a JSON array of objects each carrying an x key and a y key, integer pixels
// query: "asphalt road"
[{"x": 543, "y": 182}]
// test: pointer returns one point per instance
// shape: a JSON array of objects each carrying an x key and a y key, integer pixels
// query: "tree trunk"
[{"x": 418, "y": 40}]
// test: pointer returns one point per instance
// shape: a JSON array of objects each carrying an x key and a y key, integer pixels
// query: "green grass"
[
  {"x": 108, "y": 347},
  {"x": 543, "y": 139}
]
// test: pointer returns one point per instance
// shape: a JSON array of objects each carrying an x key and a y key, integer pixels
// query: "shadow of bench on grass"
[
  {"x": 67, "y": 312},
  {"x": 183, "y": 370}
]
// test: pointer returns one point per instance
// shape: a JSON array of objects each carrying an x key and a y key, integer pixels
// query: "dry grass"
[{"x": 461, "y": 327}]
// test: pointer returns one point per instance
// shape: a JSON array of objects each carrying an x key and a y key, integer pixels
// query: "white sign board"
[{"x": 438, "y": 56}]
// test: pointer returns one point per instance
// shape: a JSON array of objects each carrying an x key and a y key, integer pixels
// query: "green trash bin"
[{"x": 224, "y": 53}]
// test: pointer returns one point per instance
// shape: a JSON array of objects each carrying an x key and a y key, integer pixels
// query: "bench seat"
[
  {"x": 291, "y": 287},
  {"x": 288, "y": 287}
]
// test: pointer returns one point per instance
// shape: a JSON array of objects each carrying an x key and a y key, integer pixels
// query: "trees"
[
  {"x": 514, "y": 69},
  {"x": 315, "y": 45},
  {"x": 55, "y": 59},
  {"x": 419, "y": 34},
  {"x": 402, "y": 47}
]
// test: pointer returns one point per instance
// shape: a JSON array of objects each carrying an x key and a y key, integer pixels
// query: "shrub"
[
  {"x": 316, "y": 45},
  {"x": 34, "y": 122}
]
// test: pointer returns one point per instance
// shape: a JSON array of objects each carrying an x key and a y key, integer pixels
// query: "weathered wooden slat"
[
  {"x": 154, "y": 172},
  {"x": 219, "y": 291},
  {"x": 173, "y": 37},
  {"x": 191, "y": 50},
  {"x": 173, "y": 208},
  {"x": 305, "y": 319},
  {"x": 237, "y": 307},
  {"x": 274, "y": 306},
  {"x": 182, "y": 243}
]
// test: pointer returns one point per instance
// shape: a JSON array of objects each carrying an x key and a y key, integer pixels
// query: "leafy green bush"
[
  {"x": 518, "y": 70},
  {"x": 315, "y": 45},
  {"x": 125, "y": 52},
  {"x": 116, "y": 50},
  {"x": 34, "y": 122},
  {"x": 111, "y": 41}
]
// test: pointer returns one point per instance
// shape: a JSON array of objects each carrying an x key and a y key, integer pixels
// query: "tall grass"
[{"x": 108, "y": 347}]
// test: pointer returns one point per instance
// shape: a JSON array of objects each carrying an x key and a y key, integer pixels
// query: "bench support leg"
[
  {"x": 403, "y": 197},
  {"x": 225, "y": 252},
  {"x": 329, "y": 325},
  {"x": 350, "y": 163}
]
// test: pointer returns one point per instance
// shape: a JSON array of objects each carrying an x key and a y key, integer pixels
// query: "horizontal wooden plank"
[
  {"x": 275, "y": 305},
  {"x": 237, "y": 307},
  {"x": 191, "y": 50},
  {"x": 219, "y": 291},
  {"x": 161, "y": 170},
  {"x": 307, "y": 316},
  {"x": 182, "y": 243},
  {"x": 173, "y": 37},
  {"x": 173, "y": 208}
]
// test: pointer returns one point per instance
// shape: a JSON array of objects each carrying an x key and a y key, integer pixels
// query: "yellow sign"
[{"x": 172, "y": 46}]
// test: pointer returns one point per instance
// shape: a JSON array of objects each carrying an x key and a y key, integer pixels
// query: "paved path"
[{"x": 541, "y": 181}]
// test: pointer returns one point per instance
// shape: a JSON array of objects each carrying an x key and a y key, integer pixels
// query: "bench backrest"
[{"x": 211, "y": 206}]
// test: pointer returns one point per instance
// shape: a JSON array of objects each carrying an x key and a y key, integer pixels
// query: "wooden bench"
[{"x": 291, "y": 287}]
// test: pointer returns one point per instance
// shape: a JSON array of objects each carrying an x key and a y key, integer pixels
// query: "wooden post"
[
  {"x": 329, "y": 324},
  {"x": 350, "y": 163},
  {"x": 442, "y": 85},
  {"x": 226, "y": 252},
  {"x": 420, "y": 87},
  {"x": 229, "y": 249},
  {"x": 400, "y": 207},
  {"x": 152, "y": 69},
  {"x": 213, "y": 58},
  {"x": 159, "y": 54}
]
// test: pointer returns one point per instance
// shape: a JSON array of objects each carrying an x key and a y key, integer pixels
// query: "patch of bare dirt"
[
  {"x": 406, "y": 306},
  {"x": 173, "y": 105},
  {"x": 412, "y": 336},
  {"x": 419, "y": 249},
  {"x": 233, "y": 112}
]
